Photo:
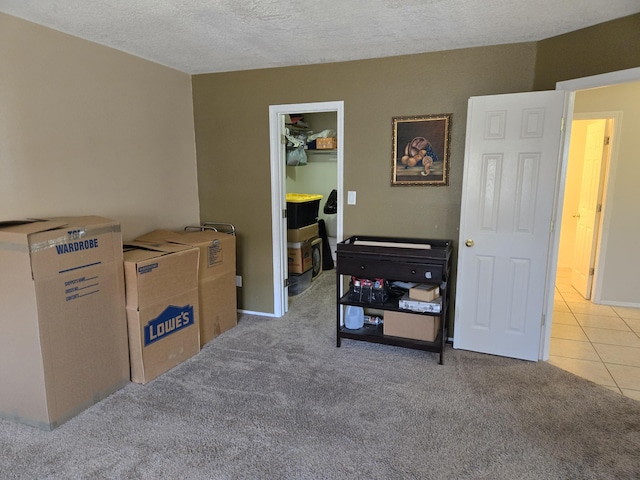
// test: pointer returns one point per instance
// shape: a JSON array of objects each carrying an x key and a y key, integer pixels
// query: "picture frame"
[{"x": 421, "y": 146}]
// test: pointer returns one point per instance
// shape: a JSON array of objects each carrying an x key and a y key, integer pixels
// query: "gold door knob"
[
  {"x": 469, "y": 243},
  {"x": 576, "y": 215}
]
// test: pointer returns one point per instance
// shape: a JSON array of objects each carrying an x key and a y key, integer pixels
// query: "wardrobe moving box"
[
  {"x": 299, "y": 258},
  {"x": 161, "y": 284},
  {"x": 63, "y": 328},
  {"x": 303, "y": 233},
  {"x": 217, "y": 277},
  {"x": 411, "y": 325}
]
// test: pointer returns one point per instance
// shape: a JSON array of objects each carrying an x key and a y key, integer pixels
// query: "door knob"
[
  {"x": 576, "y": 215},
  {"x": 469, "y": 243}
]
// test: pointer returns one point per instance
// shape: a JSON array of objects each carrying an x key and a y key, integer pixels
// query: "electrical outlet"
[{"x": 238, "y": 280}]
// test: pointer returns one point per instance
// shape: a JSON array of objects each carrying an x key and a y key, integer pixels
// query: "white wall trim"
[
  {"x": 278, "y": 189},
  {"x": 571, "y": 86},
  {"x": 602, "y": 80},
  {"x": 257, "y": 314}
]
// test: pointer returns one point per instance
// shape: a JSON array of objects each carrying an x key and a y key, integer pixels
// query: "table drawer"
[{"x": 390, "y": 269}]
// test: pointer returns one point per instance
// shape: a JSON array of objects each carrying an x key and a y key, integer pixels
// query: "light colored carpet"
[{"x": 275, "y": 399}]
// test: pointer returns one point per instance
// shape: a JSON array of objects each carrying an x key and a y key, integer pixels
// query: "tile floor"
[{"x": 596, "y": 342}]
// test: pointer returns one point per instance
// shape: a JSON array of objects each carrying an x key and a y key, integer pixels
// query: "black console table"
[{"x": 426, "y": 261}]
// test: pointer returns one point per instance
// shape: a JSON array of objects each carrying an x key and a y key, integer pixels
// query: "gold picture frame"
[{"x": 421, "y": 146}]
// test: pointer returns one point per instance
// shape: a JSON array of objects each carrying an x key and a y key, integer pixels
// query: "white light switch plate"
[{"x": 351, "y": 198}]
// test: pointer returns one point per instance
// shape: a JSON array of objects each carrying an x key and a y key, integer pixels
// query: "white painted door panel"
[
  {"x": 510, "y": 171},
  {"x": 588, "y": 212}
]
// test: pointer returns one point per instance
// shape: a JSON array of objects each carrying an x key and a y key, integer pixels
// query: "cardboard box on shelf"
[
  {"x": 161, "y": 284},
  {"x": 217, "y": 277},
  {"x": 411, "y": 325},
  {"x": 326, "y": 143},
  {"x": 301, "y": 234},
  {"x": 63, "y": 329},
  {"x": 299, "y": 256},
  {"x": 424, "y": 292}
]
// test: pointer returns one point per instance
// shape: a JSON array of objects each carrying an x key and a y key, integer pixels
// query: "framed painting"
[{"x": 421, "y": 147}]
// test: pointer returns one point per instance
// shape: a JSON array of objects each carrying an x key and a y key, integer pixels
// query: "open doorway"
[
  {"x": 584, "y": 208},
  {"x": 574, "y": 86},
  {"x": 595, "y": 329},
  {"x": 282, "y": 181}
]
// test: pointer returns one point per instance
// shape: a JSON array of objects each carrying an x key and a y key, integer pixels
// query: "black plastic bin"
[{"x": 302, "y": 209}]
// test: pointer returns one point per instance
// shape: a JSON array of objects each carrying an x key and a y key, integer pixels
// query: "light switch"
[{"x": 351, "y": 197}]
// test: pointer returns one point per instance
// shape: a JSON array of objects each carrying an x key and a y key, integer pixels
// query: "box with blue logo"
[
  {"x": 217, "y": 277},
  {"x": 161, "y": 283},
  {"x": 63, "y": 328}
]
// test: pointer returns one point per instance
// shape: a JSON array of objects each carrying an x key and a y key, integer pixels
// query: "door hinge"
[
  {"x": 592, "y": 271},
  {"x": 599, "y": 208},
  {"x": 284, "y": 213},
  {"x": 286, "y": 282},
  {"x": 607, "y": 140},
  {"x": 562, "y": 124},
  {"x": 544, "y": 319},
  {"x": 283, "y": 139},
  {"x": 551, "y": 226}
]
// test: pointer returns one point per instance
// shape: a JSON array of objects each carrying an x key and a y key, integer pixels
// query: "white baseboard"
[{"x": 259, "y": 314}]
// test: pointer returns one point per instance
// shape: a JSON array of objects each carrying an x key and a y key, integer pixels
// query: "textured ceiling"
[{"x": 205, "y": 36}]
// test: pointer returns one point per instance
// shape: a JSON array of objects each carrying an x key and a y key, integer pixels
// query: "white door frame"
[
  {"x": 571, "y": 86},
  {"x": 278, "y": 189}
]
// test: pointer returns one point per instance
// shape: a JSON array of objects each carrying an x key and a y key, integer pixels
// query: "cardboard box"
[
  {"x": 309, "y": 232},
  {"x": 161, "y": 284},
  {"x": 299, "y": 256},
  {"x": 217, "y": 277},
  {"x": 63, "y": 329},
  {"x": 424, "y": 292},
  {"x": 411, "y": 325},
  {"x": 326, "y": 143}
]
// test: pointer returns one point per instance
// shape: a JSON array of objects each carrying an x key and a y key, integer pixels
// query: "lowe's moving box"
[
  {"x": 63, "y": 328},
  {"x": 161, "y": 284},
  {"x": 217, "y": 277}
]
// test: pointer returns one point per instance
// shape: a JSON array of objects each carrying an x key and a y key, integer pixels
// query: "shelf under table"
[{"x": 373, "y": 334}]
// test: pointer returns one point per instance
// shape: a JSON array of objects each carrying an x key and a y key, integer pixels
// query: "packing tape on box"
[
  {"x": 75, "y": 238},
  {"x": 14, "y": 247}
]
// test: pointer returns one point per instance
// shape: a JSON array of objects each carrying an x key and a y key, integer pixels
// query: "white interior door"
[
  {"x": 511, "y": 167},
  {"x": 589, "y": 209}
]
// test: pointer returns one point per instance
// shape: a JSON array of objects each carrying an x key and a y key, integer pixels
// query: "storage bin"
[
  {"x": 302, "y": 209},
  {"x": 299, "y": 283}
]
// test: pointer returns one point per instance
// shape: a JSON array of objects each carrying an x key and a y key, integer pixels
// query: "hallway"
[{"x": 597, "y": 342}]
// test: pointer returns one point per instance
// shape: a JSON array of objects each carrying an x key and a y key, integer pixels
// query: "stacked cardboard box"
[
  {"x": 63, "y": 329},
  {"x": 216, "y": 274},
  {"x": 300, "y": 244},
  {"x": 161, "y": 284}
]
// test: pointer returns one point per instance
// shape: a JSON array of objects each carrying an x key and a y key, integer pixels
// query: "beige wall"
[
  {"x": 607, "y": 47},
  {"x": 232, "y": 136},
  {"x": 85, "y": 129},
  {"x": 618, "y": 275}
]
